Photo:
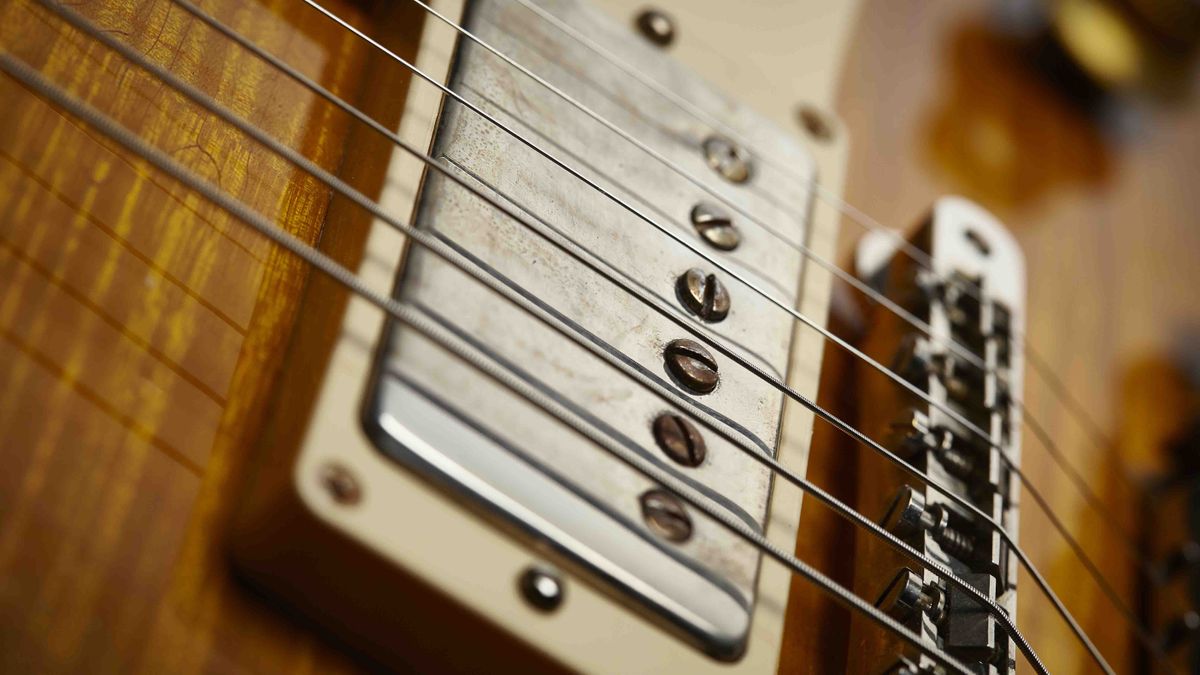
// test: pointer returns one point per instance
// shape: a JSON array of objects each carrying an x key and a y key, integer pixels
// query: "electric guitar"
[{"x": 582, "y": 335}]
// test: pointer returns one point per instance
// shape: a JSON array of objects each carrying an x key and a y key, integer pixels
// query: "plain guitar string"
[
  {"x": 971, "y": 357},
  {"x": 1089, "y": 565},
  {"x": 845, "y": 428},
  {"x": 439, "y": 248},
  {"x": 973, "y": 429},
  {"x": 446, "y": 340},
  {"x": 868, "y": 224},
  {"x": 959, "y": 349}
]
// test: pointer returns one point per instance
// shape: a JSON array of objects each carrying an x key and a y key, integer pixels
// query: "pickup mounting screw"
[
  {"x": 715, "y": 226},
  {"x": 541, "y": 587},
  {"x": 692, "y": 365},
  {"x": 815, "y": 123},
  {"x": 656, "y": 26},
  {"x": 341, "y": 484},
  {"x": 703, "y": 295},
  {"x": 679, "y": 439},
  {"x": 727, "y": 158},
  {"x": 666, "y": 516}
]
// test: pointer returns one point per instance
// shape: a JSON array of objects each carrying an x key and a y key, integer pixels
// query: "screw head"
[
  {"x": 691, "y": 365},
  {"x": 815, "y": 123},
  {"x": 703, "y": 295},
  {"x": 542, "y": 588},
  {"x": 655, "y": 26},
  {"x": 908, "y": 594},
  {"x": 727, "y": 158},
  {"x": 341, "y": 484},
  {"x": 665, "y": 515},
  {"x": 715, "y": 226},
  {"x": 679, "y": 439},
  {"x": 904, "y": 516}
]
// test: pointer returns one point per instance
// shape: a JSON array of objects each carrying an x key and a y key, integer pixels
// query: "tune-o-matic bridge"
[
  {"x": 960, "y": 346},
  {"x": 640, "y": 268}
]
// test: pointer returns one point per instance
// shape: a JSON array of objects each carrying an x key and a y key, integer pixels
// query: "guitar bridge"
[{"x": 968, "y": 364}]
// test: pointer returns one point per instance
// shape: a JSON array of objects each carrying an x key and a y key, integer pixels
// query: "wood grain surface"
[{"x": 141, "y": 329}]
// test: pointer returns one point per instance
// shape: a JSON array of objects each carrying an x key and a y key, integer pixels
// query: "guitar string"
[
  {"x": 846, "y": 428},
  {"x": 1131, "y": 547},
  {"x": 446, "y": 340},
  {"x": 961, "y": 350},
  {"x": 209, "y": 104},
  {"x": 970, "y": 506},
  {"x": 755, "y": 288},
  {"x": 812, "y": 184},
  {"x": 1089, "y": 565}
]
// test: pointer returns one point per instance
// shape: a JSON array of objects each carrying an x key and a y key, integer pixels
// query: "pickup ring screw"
[
  {"x": 656, "y": 26},
  {"x": 341, "y": 484},
  {"x": 542, "y": 588}
]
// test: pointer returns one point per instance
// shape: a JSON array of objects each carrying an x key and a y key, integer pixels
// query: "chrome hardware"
[
  {"x": 716, "y": 226},
  {"x": 541, "y": 588},
  {"x": 679, "y": 439},
  {"x": 909, "y": 515},
  {"x": 692, "y": 365},
  {"x": 703, "y": 295},
  {"x": 655, "y": 26},
  {"x": 600, "y": 277},
  {"x": 907, "y": 595},
  {"x": 666, "y": 516},
  {"x": 914, "y": 435},
  {"x": 727, "y": 158}
]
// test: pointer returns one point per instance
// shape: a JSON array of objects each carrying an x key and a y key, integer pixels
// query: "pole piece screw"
[
  {"x": 727, "y": 158},
  {"x": 703, "y": 295},
  {"x": 679, "y": 439},
  {"x": 715, "y": 226},
  {"x": 341, "y": 484},
  {"x": 665, "y": 515},
  {"x": 691, "y": 365}
]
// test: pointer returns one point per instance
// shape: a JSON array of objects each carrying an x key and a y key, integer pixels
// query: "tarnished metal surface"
[{"x": 515, "y": 463}]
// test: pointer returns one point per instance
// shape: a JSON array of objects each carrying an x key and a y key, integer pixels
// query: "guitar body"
[{"x": 142, "y": 367}]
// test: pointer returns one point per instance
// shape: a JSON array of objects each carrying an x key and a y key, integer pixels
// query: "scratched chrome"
[{"x": 512, "y": 462}]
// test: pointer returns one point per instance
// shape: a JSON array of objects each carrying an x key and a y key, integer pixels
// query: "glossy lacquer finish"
[{"x": 141, "y": 327}]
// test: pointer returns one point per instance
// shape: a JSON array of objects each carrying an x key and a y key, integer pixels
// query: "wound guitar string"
[
  {"x": 745, "y": 449},
  {"x": 445, "y": 339},
  {"x": 1089, "y": 566},
  {"x": 872, "y": 225}
]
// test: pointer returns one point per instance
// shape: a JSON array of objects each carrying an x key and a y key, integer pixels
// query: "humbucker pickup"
[{"x": 626, "y": 269}]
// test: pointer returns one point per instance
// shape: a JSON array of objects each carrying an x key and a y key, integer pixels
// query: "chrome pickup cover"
[{"x": 515, "y": 463}]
